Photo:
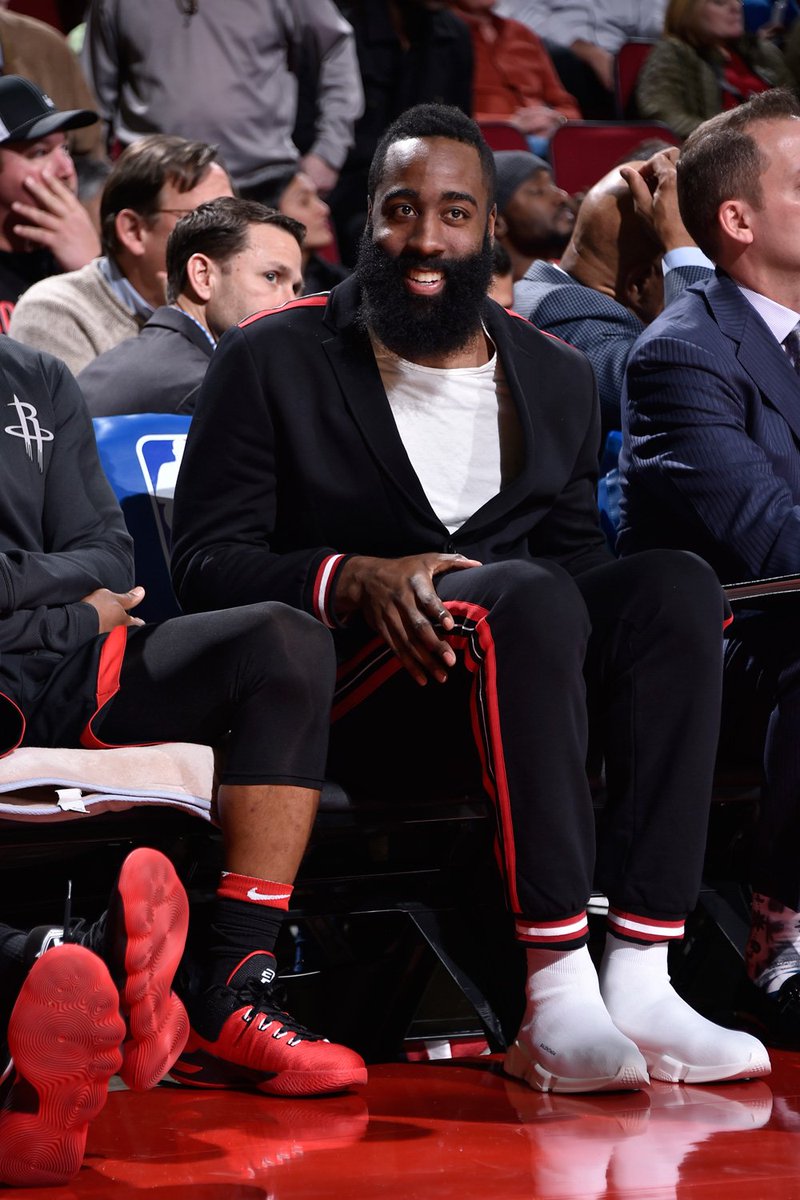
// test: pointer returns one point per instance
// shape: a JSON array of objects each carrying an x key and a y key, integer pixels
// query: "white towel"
[{"x": 39, "y": 784}]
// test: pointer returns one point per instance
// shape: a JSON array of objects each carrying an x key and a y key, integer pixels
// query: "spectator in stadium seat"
[
  {"x": 44, "y": 229},
  {"x": 534, "y": 216},
  {"x": 79, "y": 314},
  {"x": 513, "y": 76},
  {"x": 225, "y": 259},
  {"x": 629, "y": 255},
  {"x": 583, "y": 37},
  {"x": 704, "y": 64}
]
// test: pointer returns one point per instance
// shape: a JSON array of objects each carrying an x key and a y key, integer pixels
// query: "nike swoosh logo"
[{"x": 255, "y": 894}]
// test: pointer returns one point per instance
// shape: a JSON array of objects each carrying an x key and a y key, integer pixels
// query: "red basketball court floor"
[{"x": 448, "y": 1130}]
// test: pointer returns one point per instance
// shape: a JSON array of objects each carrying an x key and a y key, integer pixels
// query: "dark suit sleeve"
[
  {"x": 689, "y": 457},
  {"x": 602, "y": 329}
]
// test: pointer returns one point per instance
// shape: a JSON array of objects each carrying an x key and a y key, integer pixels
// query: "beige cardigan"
[{"x": 75, "y": 316}]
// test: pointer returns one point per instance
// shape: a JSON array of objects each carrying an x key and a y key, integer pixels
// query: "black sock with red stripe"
[{"x": 247, "y": 916}]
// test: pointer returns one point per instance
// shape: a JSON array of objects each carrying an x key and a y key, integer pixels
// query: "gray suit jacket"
[
  {"x": 603, "y": 329},
  {"x": 153, "y": 372}
]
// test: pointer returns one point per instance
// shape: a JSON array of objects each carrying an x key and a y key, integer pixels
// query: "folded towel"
[{"x": 40, "y": 784}]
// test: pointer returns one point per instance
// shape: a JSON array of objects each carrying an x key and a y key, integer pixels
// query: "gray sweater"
[{"x": 226, "y": 75}]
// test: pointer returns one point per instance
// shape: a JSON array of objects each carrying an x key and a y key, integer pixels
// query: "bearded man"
[{"x": 415, "y": 467}]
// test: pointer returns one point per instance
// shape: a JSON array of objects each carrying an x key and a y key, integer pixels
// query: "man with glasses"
[{"x": 80, "y": 314}]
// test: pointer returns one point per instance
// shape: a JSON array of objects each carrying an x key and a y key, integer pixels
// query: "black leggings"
[{"x": 259, "y": 677}]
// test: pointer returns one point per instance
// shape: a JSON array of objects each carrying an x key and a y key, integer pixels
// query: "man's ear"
[
  {"x": 735, "y": 221},
  {"x": 200, "y": 277},
  {"x": 491, "y": 221},
  {"x": 129, "y": 227},
  {"x": 500, "y": 227}
]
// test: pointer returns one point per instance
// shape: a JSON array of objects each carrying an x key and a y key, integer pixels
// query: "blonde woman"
[{"x": 704, "y": 64}]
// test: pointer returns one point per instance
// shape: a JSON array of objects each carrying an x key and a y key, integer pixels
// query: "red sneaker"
[
  {"x": 141, "y": 937},
  {"x": 64, "y": 1038},
  {"x": 241, "y": 1038}
]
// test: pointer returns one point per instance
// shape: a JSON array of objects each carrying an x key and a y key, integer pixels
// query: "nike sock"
[
  {"x": 636, "y": 988},
  {"x": 566, "y": 1032},
  {"x": 773, "y": 947},
  {"x": 247, "y": 915}
]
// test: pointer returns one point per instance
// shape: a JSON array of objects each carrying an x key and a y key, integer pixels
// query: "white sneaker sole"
[
  {"x": 520, "y": 1064},
  {"x": 671, "y": 1070}
]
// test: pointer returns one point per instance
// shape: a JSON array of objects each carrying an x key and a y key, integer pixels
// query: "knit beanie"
[{"x": 513, "y": 168}]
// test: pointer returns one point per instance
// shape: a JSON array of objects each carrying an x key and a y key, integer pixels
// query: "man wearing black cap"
[
  {"x": 44, "y": 229},
  {"x": 534, "y": 217}
]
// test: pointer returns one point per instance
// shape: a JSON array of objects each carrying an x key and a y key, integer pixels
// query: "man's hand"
[
  {"x": 537, "y": 120},
  {"x": 56, "y": 220},
  {"x": 113, "y": 608},
  {"x": 397, "y": 599},
  {"x": 321, "y": 172},
  {"x": 654, "y": 187},
  {"x": 601, "y": 61}
]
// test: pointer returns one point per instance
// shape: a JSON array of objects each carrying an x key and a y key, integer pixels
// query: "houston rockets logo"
[{"x": 29, "y": 430}]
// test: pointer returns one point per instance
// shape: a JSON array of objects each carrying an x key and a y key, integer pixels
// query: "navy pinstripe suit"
[
  {"x": 711, "y": 462},
  {"x": 599, "y": 326}
]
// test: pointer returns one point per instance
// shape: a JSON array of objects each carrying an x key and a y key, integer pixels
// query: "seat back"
[
  {"x": 140, "y": 454},
  {"x": 582, "y": 152},
  {"x": 502, "y": 135},
  {"x": 628, "y": 62}
]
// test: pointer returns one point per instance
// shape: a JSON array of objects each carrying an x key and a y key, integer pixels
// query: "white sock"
[
  {"x": 773, "y": 947},
  {"x": 677, "y": 1042},
  {"x": 567, "y": 1041}
]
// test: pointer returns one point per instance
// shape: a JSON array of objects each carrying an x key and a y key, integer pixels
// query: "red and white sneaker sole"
[
  {"x": 203, "y": 1065},
  {"x": 64, "y": 1036},
  {"x": 156, "y": 919}
]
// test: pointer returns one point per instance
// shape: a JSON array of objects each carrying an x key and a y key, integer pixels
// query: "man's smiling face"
[{"x": 425, "y": 260}]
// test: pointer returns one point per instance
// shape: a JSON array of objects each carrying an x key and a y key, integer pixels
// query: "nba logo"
[{"x": 159, "y": 456}]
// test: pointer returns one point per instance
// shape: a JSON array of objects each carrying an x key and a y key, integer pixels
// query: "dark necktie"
[{"x": 792, "y": 344}]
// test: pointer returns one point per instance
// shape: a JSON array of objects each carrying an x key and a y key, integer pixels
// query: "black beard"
[{"x": 416, "y": 326}]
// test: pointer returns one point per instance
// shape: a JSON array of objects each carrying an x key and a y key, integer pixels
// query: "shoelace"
[{"x": 265, "y": 1000}]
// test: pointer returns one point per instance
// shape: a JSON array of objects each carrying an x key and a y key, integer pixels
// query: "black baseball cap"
[{"x": 27, "y": 113}]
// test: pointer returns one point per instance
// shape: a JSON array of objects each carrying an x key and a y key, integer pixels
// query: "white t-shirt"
[{"x": 459, "y": 428}]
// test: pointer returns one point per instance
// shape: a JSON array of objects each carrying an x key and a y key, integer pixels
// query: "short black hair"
[
  {"x": 720, "y": 160},
  {"x": 433, "y": 120},
  {"x": 219, "y": 228}
]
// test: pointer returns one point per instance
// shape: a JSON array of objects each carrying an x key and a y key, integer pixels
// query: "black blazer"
[{"x": 293, "y": 456}]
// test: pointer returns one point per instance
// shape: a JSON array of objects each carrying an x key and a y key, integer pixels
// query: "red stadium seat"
[
  {"x": 502, "y": 135},
  {"x": 581, "y": 152},
  {"x": 629, "y": 61}
]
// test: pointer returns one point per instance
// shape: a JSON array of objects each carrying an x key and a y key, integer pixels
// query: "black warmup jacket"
[{"x": 62, "y": 536}]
